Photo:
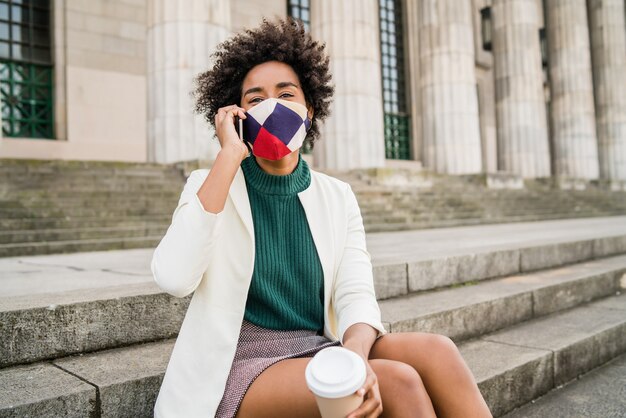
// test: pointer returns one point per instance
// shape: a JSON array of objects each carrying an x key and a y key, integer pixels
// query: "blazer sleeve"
[
  {"x": 183, "y": 254},
  {"x": 354, "y": 296}
]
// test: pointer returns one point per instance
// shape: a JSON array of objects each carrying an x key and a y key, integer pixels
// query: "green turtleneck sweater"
[{"x": 287, "y": 289}]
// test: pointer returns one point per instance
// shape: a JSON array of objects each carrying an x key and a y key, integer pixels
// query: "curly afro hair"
[{"x": 285, "y": 41}]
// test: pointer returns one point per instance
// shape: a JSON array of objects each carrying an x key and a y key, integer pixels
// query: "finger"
[
  {"x": 365, "y": 409},
  {"x": 369, "y": 405},
  {"x": 377, "y": 411},
  {"x": 229, "y": 116},
  {"x": 226, "y": 108},
  {"x": 239, "y": 111},
  {"x": 374, "y": 402},
  {"x": 221, "y": 115},
  {"x": 367, "y": 386},
  {"x": 374, "y": 414}
]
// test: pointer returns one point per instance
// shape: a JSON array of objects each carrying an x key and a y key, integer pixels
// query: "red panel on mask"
[{"x": 268, "y": 146}]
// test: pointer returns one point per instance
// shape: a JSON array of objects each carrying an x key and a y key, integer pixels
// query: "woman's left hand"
[{"x": 372, "y": 405}]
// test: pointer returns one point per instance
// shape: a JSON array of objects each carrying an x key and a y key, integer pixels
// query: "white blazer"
[{"x": 212, "y": 255}]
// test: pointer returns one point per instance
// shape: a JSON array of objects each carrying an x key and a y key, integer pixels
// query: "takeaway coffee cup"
[{"x": 334, "y": 375}]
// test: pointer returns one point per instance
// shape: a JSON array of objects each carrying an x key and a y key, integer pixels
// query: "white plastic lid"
[{"x": 335, "y": 372}]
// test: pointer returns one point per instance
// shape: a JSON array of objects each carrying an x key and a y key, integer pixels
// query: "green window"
[
  {"x": 26, "y": 71},
  {"x": 300, "y": 9},
  {"x": 397, "y": 119}
]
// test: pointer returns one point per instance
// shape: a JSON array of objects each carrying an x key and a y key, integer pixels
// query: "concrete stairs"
[
  {"x": 599, "y": 393},
  {"x": 54, "y": 206},
  {"x": 429, "y": 200},
  {"x": 49, "y": 207},
  {"x": 530, "y": 305}
]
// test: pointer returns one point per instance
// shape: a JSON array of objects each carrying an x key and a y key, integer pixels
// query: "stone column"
[
  {"x": 181, "y": 36},
  {"x": 414, "y": 75},
  {"x": 352, "y": 136},
  {"x": 571, "y": 89},
  {"x": 450, "y": 121},
  {"x": 522, "y": 128},
  {"x": 608, "y": 53}
]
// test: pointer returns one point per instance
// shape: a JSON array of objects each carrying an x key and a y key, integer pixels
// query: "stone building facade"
[{"x": 535, "y": 88}]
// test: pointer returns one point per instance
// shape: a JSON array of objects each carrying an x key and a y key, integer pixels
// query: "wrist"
[
  {"x": 231, "y": 154},
  {"x": 358, "y": 349}
]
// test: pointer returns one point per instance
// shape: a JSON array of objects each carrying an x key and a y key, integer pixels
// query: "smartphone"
[{"x": 239, "y": 129}]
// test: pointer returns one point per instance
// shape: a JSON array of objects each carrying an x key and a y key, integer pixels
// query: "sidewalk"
[{"x": 45, "y": 275}]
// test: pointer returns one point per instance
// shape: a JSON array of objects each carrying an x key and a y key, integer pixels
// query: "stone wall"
[{"x": 100, "y": 84}]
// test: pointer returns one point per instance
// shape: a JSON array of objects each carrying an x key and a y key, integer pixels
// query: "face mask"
[{"x": 276, "y": 127}]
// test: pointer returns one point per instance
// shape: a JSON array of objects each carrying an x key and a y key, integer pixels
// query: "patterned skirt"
[{"x": 259, "y": 348}]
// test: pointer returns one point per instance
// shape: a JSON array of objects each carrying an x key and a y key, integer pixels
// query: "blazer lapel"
[
  {"x": 319, "y": 223},
  {"x": 239, "y": 195}
]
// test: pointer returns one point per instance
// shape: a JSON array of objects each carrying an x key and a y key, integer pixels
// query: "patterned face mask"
[{"x": 276, "y": 127}]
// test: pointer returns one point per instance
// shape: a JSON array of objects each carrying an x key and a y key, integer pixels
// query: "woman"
[{"x": 275, "y": 255}]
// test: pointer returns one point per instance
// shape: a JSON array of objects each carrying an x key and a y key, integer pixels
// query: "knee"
[
  {"x": 444, "y": 347},
  {"x": 402, "y": 390},
  {"x": 449, "y": 359},
  {"x": 404, "y": 378}
]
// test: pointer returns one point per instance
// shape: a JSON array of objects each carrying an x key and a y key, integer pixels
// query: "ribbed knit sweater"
[{"x": 287, "y": 289}]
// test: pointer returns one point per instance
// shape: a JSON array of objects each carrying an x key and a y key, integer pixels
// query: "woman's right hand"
[{"x": 225, "y": 130}]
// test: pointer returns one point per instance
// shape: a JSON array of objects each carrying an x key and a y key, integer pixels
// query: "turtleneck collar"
[{"x": 284, "y": 185}]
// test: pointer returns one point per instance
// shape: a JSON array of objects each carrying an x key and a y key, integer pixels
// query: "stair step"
[
  {"x": 63, "y": 180},
  {"x": 77, "y": 212},
  {"x": 121, "y": 186},
  {"x": 500, "y": 303},
  {"x": 70, "y": 234},
  {"x": 599, "y": 393},
  {"x": 511, "y": 367},
  {"x": 121, "y": 382},
  {"x": 77, "y": 246},
  {"x": 84, "y": 222},
  {"x": 32, "y": 203},
  {"x": 16, "y": 164},
  {"x": 89, "y": 172},
  {"x": 87, "y": 209},
  {"x": 412, "y": 266},
  {"x": 61, "y": 195},
  {"x": 37, "y": 327},
  {"x": 516, "y": 365},
  {"x": 44, "y": 390}
]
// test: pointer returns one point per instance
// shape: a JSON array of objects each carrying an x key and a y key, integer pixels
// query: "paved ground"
[
  {"x": 426, "y": 243},
  {"x": 44, "y": 274},
  {"x": 600, "y": 393}
]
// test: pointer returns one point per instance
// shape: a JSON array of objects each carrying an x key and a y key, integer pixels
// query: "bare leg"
[
  {"x": 402, "y": 390},
  {"x": 448, "y": 380},
  {"x": 281, "y": 391}
]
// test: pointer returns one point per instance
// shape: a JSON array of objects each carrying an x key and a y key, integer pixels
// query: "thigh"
[{"x": 280, "y": 391}]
